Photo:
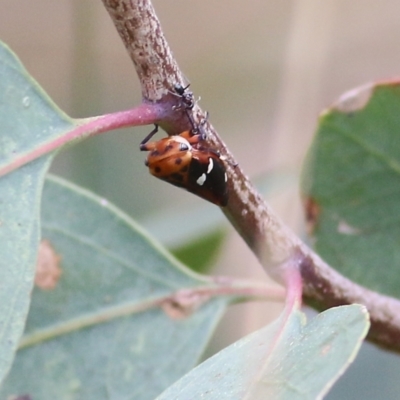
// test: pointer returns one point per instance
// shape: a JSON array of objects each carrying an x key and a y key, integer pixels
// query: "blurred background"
[{"x": 264, "y": 70}]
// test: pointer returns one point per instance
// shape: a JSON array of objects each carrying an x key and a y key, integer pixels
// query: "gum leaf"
[
  {"x": 28, "y": 119},
  {"x": 289, "y": 359},
  {"x": 351, "y": 185},
  {"x": 91, "y": 335}
]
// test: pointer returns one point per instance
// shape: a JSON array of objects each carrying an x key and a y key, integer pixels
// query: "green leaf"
[
  {"x": 199, "y": 254},
  {"x": 94, "y": 336},
  {"x": 27, "y": 118},
  {"x": 352, "y": 187},
  {"x": 297, "y": 361}
]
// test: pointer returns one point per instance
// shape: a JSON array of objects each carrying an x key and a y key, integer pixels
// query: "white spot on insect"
[
  {"x": 226, "y": 177},
  {"x": 183, "y": 141},
  {"x": 210, "y": 165},
  {"x": 200, "y": 181}
]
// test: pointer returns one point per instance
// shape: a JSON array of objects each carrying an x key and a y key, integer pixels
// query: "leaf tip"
[{"x": 355, "y": 99}]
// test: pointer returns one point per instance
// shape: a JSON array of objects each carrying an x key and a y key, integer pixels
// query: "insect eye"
[{"x": 183, "y": 147}]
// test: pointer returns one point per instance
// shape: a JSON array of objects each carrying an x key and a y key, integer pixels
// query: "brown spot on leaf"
[
  {"x": 183, "y": 303},
  {"x": 312, "y": 212},
  {"x": 48, "y": 271},
  {"x": 175, "y": 310},
  {"x": 326, "y": 349}
]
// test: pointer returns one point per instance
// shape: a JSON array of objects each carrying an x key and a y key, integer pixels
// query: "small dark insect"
[
  {"x": 186, "y": 96},
  {"x": 187, "y": 102}
]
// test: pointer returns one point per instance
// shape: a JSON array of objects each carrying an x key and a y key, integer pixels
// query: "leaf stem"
[
  {"x": 142, "y": 115},
  {"x": 184, "y": 299}
]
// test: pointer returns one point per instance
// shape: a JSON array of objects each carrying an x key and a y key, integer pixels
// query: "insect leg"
[{"x": 149, "y": 136}]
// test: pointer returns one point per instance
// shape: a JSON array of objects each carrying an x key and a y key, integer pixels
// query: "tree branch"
[{"x": 259, "y": 226}]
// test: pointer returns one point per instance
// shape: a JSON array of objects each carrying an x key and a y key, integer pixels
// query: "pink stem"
[
  {"x": 293, "y": 282},
  {"x": 144, "y": 114}
]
